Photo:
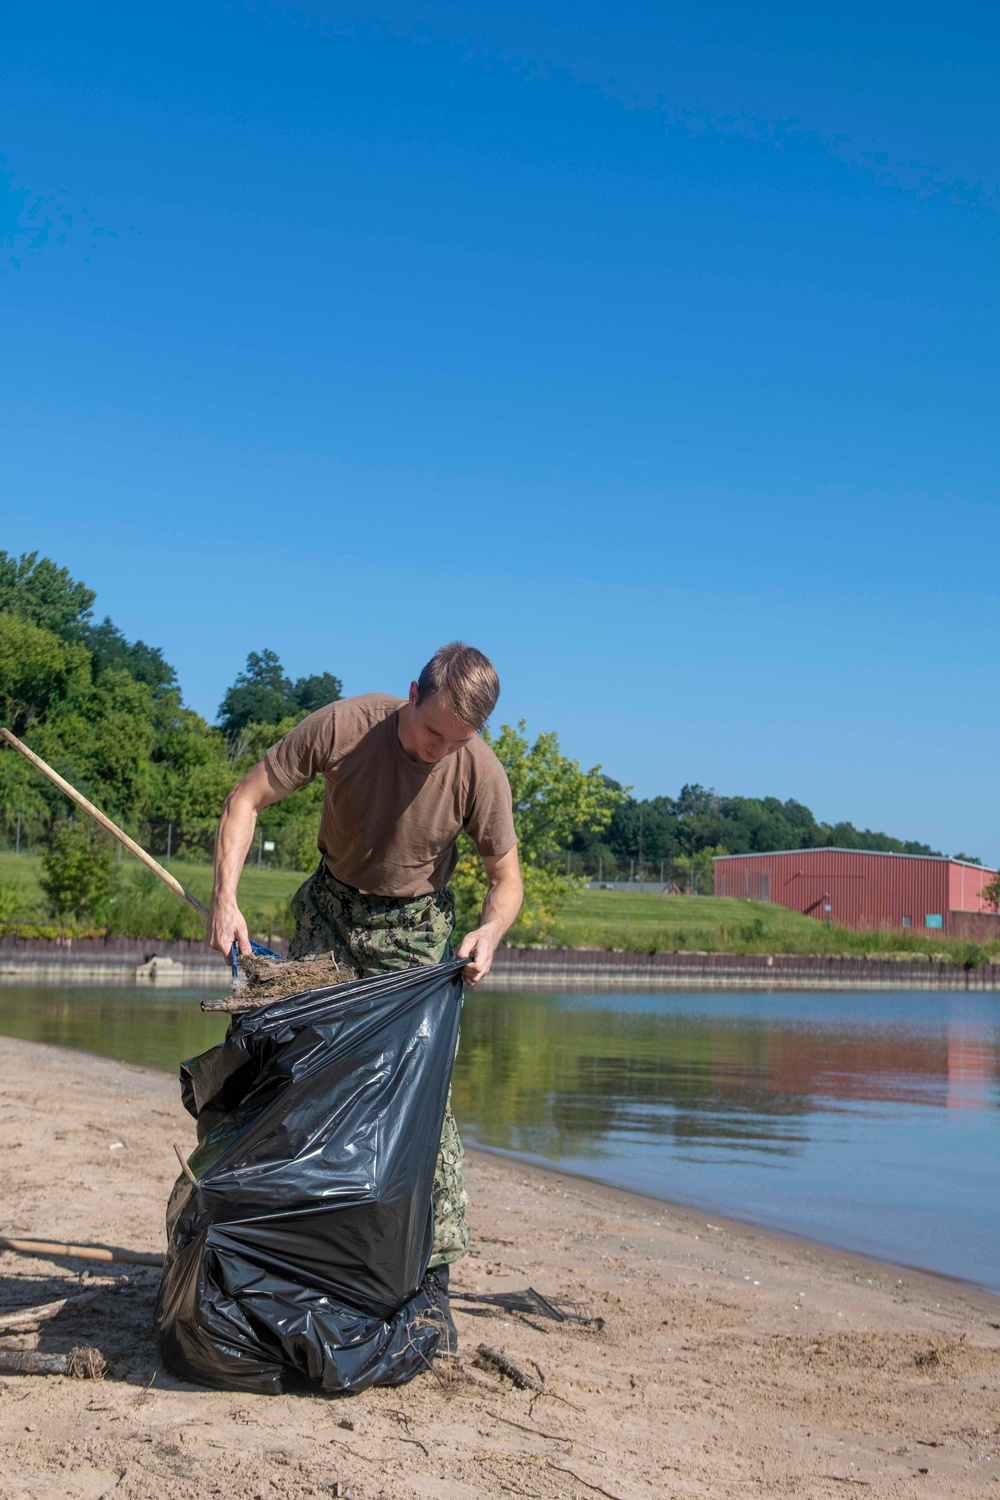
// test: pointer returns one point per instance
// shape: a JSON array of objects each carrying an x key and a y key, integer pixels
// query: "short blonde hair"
[{"x": 467, "y": 676}]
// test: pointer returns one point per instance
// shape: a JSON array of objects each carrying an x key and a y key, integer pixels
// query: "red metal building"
[{"x": 854, "y": 888}]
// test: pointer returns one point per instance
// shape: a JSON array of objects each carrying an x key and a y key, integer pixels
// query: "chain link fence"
[
  {"x": 291, "y": 845},
  {"x": 678, "y": 876},
  {"x": 275, "y": 845}
]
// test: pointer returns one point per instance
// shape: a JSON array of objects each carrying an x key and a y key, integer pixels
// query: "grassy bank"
[
  {"x": 143, "y": 907},
  {"x": 711, "y": 924}
]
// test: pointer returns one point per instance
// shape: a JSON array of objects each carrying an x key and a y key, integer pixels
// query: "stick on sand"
[
  {"x": 49, "y": 1248},
  {"x": 82, "y": 1363},
  {"x": 46, "y": 1310}
]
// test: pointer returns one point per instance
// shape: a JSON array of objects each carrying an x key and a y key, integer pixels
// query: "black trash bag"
[{"x": 297, "y": 1260}]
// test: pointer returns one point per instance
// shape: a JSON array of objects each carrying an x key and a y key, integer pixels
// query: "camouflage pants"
[{"x": 373, "y": 934}]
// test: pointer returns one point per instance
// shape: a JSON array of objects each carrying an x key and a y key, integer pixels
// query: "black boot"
[{"x": 436, "y": 1287}]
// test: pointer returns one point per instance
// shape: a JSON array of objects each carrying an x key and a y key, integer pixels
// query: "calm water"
[{"x": 868, "y": 1121}]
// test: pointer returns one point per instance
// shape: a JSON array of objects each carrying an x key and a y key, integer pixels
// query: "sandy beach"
[{"x": 731, "y": 1361}]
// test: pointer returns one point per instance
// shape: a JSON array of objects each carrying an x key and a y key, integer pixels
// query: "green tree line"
[
  {"x": 700, "y": 822},
  {"x": 107, "y": 714}
]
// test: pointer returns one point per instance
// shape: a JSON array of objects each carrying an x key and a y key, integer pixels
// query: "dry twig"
[
  {"x": 184, "y": 1165},
  {"x": 416, "y": 1442},
  {"x": 262, "y": 980},
  {"x": 553, "y": 1437},
  {"x": 598, "y": 1490},
  {"x": 552, "y": 1397}
]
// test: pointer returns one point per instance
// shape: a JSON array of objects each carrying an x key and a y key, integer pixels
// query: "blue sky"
[{"x": 652, "y": 348}]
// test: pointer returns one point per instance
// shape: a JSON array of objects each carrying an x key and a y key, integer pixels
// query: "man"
[{"x": 403, "y": 778}]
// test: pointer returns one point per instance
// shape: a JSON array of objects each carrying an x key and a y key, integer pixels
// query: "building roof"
[{"x": 941, "y": 859}]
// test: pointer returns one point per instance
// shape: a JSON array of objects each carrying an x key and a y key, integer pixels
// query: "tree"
[
  {"x": 102, "y": 741},
  {"x": 655, "y": 819},
  {"x": 262, "y": 694},
  {"x": 701, "y": 879},
  {"x": 552, "y": 798},
  {"x": 21, "y": 793},
  {"x": 698, "y": 819},
  {"x": 315, "y": 692},
  {"x": 44, "y": 593},
  {"x": 37, "y": 671},
  {"x": 110, "y": 651}
]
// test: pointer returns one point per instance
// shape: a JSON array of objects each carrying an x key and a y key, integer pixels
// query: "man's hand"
[
  {"x": 502, "y": 904},
  {"x": 226, "y": 926},
  {"x": 479, "y": 947},
  {"x": 226, "y": 923}
]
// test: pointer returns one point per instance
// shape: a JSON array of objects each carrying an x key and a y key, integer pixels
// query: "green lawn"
[
  {"x": 712, "y": 924},
  {"x": 145, "y": 907},
  {"x": 591, "y": 919},
  {"x": 599, "y": 919}
]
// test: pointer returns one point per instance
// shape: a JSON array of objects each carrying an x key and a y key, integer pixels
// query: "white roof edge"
[{"x": 941, "y": 859}]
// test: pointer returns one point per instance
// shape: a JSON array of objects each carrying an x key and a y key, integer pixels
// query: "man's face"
[{"x": 436, "y": 730}]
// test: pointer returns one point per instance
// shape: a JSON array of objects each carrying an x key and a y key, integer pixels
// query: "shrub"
[{"x": 77, "y": 871}]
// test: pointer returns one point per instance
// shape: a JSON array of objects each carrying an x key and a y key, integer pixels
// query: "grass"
[
  {"x": 713, "y": 924},
  {"x": 144, "y": 907},
  {"x": 590, "y": 919}
]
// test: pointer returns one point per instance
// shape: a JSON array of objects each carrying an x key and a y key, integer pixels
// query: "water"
[
  {"x": 155, "y": 1030},
  {"x": 868, "y": 1121}
]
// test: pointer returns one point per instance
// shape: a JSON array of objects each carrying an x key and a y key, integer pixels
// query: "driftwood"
[
  {"x": 50, "y": 1248},
  {"x": 81, "y": 1363},
  {"x": 46, "y": 1310},
  {"x": 499, "y": 1361}
]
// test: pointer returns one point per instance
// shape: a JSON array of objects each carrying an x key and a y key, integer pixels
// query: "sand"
[{"x": 732, "y": 1361}]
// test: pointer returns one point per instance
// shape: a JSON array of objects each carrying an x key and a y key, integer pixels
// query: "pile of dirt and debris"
[{"x": 262, "y": 980}]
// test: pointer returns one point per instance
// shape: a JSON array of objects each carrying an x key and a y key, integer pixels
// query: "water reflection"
[
  {"x": 558, "y": 1071},
  {"x": 972, "y": 1065},
  {"x": 831, "y": 1115},
  {"x": 152, "y": 1029}
]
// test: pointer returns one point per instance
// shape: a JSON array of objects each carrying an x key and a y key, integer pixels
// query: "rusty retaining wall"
[
  {"x": 597, "y": 967},
  {"x": 95, "y": 961},
  {"x": 137, "y": 950},
  {"x": 101, "y": 961}
]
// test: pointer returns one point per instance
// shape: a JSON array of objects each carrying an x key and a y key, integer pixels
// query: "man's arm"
[
  {"x": 258, "y": 789},
  {"x": 502, "y": 904}
]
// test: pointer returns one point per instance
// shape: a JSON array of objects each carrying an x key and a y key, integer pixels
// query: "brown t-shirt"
[{"x": 390, "y": 823}]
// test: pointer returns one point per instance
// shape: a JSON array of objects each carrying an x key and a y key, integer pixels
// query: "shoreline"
[
  {"x": 730, "y": 1356},
  {"x": 785, "y": 1241},
  {"x": 675, "y": 1207}
]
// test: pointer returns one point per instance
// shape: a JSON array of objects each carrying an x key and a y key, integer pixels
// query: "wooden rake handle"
[{"x": 105, "y": 822}]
